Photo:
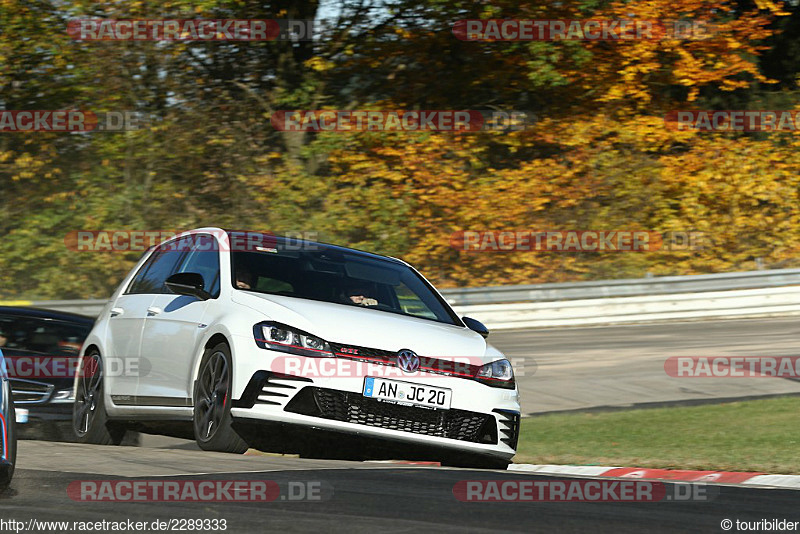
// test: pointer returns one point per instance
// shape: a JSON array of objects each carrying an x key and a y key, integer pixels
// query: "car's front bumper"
[
  {"x": 53, "y": 412},
  {"x": 482, "y": 420},
  {"x": 45, "y": 401}
]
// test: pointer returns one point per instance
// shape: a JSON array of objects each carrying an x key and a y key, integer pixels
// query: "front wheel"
[
  {"x": 212, "y": 403},
  {"x": 89, "y": 419}
]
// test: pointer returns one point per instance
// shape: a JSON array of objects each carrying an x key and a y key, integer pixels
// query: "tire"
[
  {"x": 7, "y": 471},
  {"x": 89, "y": 419},
  {"x": 212, "y": 403}
]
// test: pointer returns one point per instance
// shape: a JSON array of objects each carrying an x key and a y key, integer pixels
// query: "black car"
[{"x": 42, "y": 349}]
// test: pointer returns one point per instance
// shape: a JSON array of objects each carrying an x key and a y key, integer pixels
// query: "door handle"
[
  {"x": 153, "y": 311},
  {"x": 117, "y": 311}
]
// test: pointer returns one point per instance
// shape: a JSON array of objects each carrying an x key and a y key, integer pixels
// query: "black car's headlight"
[
  {"x": 497, "y": 374},
  {"x": 277, "y": 336}
]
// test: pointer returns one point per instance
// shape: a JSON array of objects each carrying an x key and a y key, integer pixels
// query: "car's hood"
[{"x": 352, "y": 325}]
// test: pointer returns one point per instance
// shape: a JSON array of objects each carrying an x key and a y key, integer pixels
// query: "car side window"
[
  {"x": 136, "y": 283},
  {"x": 42, "y": 335},
  {"x": 153, "y": 274},
  {"x": 203, "y": 258}
]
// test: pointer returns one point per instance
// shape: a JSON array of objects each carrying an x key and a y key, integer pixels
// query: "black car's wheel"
[
  {"x": 212, "y": 403},
  {"x": 89, "y": 419},
  {"x": 7, "y": 469}
]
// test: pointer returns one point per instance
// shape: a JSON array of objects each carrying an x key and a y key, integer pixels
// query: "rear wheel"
[
  {"x": 212, "y": 403},
  {"x": 89, "y": 419}
]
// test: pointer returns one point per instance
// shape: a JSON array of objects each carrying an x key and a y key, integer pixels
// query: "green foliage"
[{"x": 599, "y": 157}]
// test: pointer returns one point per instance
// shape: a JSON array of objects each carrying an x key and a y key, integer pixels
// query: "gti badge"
[{"x": 408, "y": 361}]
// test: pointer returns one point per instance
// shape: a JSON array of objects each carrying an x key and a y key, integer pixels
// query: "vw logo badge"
[{"x": 408, "y": 361}]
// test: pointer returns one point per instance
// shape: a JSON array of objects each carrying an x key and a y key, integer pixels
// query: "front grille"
[
  {"x": 364, "y": 353},
  {"x": 30, "y": 392},
  {"x": 426, "y": 363},
  {"x": 355, "y": 408}
]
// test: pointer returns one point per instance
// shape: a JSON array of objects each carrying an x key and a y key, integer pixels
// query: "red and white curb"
[{"x": 719, "y": 477}]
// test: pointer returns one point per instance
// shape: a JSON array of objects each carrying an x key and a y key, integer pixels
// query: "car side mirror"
[
  {"x": 477, "y": 326},
  {"x": 189, "y": 284}
]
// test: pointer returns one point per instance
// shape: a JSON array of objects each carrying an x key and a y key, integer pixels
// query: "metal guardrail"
[
  {"x": 664, "y": 285},
  {"x": 740, "y": 303},
  {"x": 744, "y": 294}
]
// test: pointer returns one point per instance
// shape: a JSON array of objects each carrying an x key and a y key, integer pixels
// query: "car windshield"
[{"x": 340, "y": 277}]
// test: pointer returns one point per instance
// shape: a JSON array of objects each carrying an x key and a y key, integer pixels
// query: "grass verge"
[{"x": 759, "y": 435}]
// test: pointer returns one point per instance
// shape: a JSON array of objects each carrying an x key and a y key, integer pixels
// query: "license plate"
[
  {"x": 22, "y": 415},
  {"x": 407, "y": 393}
]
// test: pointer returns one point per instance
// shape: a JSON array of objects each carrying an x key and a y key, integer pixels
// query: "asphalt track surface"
[
  {"x": 360, "y": 498},
  {"x": 563, "y": 369},
  {"x": 574, "y": 369}
]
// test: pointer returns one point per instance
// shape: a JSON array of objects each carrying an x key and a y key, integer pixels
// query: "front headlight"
[
  {"x": 497, "y": 374},
  {"x": 284, "y": 338}
]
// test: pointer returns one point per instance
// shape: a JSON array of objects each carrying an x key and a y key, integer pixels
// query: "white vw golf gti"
[{"x": 242, "y": 339}]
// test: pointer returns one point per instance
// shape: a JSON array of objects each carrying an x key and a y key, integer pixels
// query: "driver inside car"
[
  {"x": 245, "y": 278},
  {"x": 358, "y": 294}
]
